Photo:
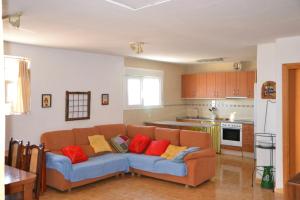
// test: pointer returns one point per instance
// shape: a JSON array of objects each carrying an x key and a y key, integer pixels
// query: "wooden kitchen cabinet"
[
  {"x": 231, "y": 84},
  {"x": 236, "y": 84},
  {"x": 201, "y": 85},
  {"x": 220, "y": 84},
  {"x": 251, "y": 79},
  {"x": 216, "y": 85},
  {"x": 248, "y": 138},
  {"x": 242, "y": 89},
  {"x": 189, "y": 86},
  {"x": 211, "y": 85}
]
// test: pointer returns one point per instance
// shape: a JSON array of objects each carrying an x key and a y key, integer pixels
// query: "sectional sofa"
[{"x": 197, "y": 167}]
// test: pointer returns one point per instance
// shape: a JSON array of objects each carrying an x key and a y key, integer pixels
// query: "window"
[
  {"x": 17, "y": 85},
  {"x": 143, "y": 88}
]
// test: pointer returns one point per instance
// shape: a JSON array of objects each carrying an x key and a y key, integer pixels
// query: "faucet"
[
  {"x": 198, "y": 112},
  {"x": 213, "y": 112}
]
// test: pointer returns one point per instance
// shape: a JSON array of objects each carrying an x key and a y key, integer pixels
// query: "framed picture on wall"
[
  {"x": 46, "y": 100},
  {"x": 78, "y": 105},
  {"x": 105, "y": 99},
  {"x": 268, "y": 90}
]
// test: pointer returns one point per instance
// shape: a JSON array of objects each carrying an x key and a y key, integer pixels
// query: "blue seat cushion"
[
  {"x": 170, "y": 167},
  {"x": 60, "y": 163},
  {"x": 142, "y": 162},
  {"x": 99, "y": 166}
]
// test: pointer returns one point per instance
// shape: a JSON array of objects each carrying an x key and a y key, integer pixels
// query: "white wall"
[
  {"x": 270, "y": 58},
  {"x": 2, "y": 117},
  {"x": 54, "y": 71},
  {"x": 266, "y": 71}
]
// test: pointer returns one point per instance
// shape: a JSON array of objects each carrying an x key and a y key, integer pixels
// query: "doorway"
[{"x": 291, "y": 123}]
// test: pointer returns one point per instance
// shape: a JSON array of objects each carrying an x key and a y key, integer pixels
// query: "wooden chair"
[
  {"x": 33, "y": 164},
  {"x": 15, "y": 153}
]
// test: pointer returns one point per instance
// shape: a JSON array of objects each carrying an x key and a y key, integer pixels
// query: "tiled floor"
[{"x": 233, "y": 181}]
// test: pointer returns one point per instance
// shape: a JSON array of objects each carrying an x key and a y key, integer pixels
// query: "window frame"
[
  {"x": 140, "y": 73},
  {"x": 9, "y": 104},
  {"x": 6, "y": 83}
]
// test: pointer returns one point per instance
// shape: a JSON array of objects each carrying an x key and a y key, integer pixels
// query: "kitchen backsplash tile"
[{"x": 242, "y": 107}]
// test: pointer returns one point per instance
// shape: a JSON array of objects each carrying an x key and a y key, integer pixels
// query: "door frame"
[{"x": 286, "y": 119}]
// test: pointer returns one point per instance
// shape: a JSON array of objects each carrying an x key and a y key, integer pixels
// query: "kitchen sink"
[{"x": 207, "y": 118}]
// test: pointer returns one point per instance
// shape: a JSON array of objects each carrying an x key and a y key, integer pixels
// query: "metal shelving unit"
[{"x": 266, "y": 141}]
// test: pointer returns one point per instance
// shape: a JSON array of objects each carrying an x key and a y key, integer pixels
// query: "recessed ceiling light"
[
  {"x": 207, "y": 60},
  {"x": 137, "y": 4}
]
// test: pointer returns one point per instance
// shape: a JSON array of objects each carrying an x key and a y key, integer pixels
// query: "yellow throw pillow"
[
  {"x": 172, "y": 151},
  {"x": 99, "y": 143}
]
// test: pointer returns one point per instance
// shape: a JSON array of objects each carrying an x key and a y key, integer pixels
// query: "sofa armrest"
[
  {"x": 201, "y": 166},
  {"x": 60, "y": 163},
  {"x": 200, "y": 154}
]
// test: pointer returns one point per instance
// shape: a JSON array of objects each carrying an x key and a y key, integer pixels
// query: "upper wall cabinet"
[
  {"x": 216, "y": 85},
  {"x": 220, "y": 85},
  {"x": 251, "y": 78},
  {"x": 213, "y": 85},
  {"x": 202, "y": 85},
  {"x": 189, "y": 83},
  {"x": 236, "y": 84}
]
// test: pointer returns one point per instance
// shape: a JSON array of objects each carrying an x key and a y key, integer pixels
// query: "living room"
[{"x": 203, "y": 80}]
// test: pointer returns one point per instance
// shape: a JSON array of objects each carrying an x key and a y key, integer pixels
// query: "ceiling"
[{"x": 180, "y": 31}]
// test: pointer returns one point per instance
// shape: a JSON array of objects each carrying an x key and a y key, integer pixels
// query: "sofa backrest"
[
  {"x": 132, "y": 130},
  {"x": 81, "y": 139},
  {"x": 167, "y": 134},
  {"x": 195, "y": 139},
  {"x": 111, "y": 130},
  {"x": 55, "y": 140}
]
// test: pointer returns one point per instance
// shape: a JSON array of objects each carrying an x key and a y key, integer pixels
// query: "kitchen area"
[{"x": 221, "y": 104}]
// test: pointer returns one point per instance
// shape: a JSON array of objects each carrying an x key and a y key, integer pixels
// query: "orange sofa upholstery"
[{"x": 200, "y": 165}]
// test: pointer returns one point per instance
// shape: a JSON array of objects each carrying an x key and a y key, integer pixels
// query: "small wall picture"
[
  {"x": 268, "y": 90},
  {"x": 46, "y": 100},
  {"x": 104, "y": 99}
]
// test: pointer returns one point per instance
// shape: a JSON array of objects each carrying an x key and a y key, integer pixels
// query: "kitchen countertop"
[
  {"x": 186, "y": 124},
  {"x": 194, "y": 119}
]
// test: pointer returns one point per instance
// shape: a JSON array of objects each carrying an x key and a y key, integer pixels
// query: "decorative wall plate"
[{"x": 268, "y": 90}]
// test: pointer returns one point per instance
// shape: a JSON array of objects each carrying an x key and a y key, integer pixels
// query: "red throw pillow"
[
  {"x": 139, "y": 143},
  {"x": 75, "y": 153},
  {"x": 157, "y": 147}
]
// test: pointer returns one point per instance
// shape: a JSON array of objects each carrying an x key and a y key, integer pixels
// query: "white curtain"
[{"x": 22, "y": 104}]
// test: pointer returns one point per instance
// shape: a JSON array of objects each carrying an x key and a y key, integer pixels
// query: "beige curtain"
[{"x": 23, "y": 97}]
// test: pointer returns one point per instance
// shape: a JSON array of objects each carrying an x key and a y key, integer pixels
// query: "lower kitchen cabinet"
[{"x": 248, "y": 138}]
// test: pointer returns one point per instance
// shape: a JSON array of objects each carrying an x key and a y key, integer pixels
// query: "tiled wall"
[
  {"x": 139, "y": 116},
  {"x": 243, "y": 108}
]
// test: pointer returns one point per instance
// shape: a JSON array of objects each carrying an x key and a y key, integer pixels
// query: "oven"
[{"x": 231, "y": 134}]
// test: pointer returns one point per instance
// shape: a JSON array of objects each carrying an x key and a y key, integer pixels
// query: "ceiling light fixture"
[
  {"x": 237, "y": 66},
  {"x": 137, "y": 47},
  {"x": 137, "y": 5},
  {"x": 14, "y": 20}
]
